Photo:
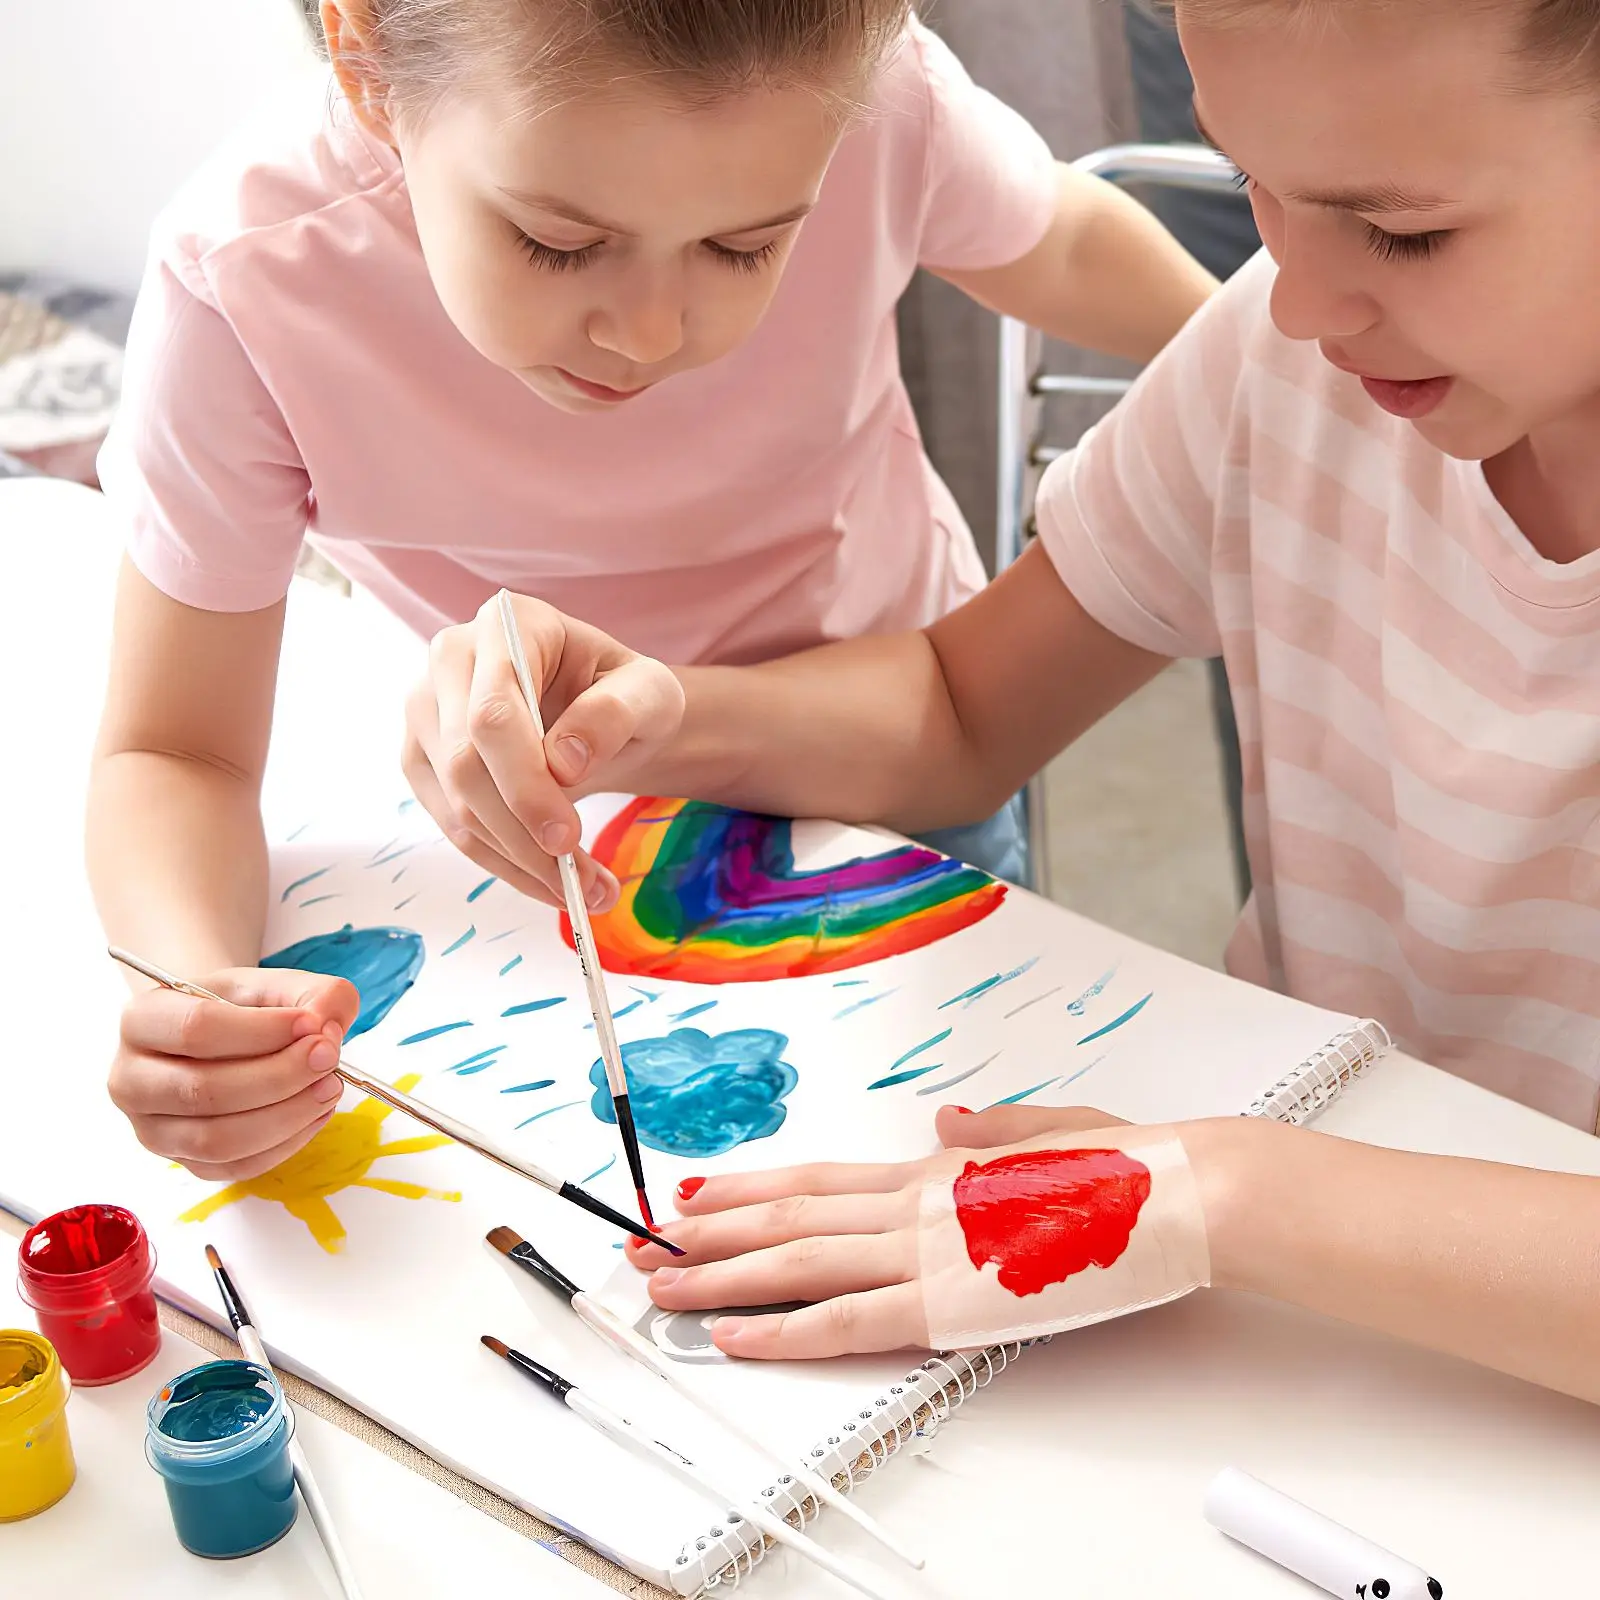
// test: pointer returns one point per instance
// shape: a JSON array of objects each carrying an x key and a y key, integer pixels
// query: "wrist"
[
  {"x": 706, "y": 759},
  {"x": 1233, "y": 1159}
]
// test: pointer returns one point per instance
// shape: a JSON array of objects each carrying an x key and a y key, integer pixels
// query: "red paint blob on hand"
[
  {"x": 690, "y": 1187},
  {"x": 1043, "y": 1215}
]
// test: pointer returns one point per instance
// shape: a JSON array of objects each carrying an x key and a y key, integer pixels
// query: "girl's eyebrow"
[
  {"x": 1379, "y": 197},
  {"x": 572, "y": 213}
]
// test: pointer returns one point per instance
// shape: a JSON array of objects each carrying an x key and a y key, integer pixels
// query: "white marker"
[{"x": 1309, "y": 1545}]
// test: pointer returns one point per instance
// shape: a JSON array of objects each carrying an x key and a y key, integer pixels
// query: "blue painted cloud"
[
  {"x": 381, "y": 962},
  {"x": 693, "y": 1095}
]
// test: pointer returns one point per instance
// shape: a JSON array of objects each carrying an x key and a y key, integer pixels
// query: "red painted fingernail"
[
  {"x": 965, "y": 1111},
  {"x": 636, "y": 1244},
  {"x": 690, "y": 1187}
]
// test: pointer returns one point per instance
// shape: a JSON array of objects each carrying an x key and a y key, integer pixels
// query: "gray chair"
[{"x": 1024, "y": 452}]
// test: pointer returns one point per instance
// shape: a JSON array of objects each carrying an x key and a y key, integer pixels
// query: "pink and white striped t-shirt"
[{"x": 1417, "y": 689}]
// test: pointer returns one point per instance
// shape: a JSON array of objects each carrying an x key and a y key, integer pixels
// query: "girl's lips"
[
  {"x": 1411, "y": 398},
  {"x": 596, "y": 391}
]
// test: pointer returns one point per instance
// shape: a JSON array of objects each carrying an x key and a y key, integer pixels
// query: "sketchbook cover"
[{"x": 783, "y": 993}]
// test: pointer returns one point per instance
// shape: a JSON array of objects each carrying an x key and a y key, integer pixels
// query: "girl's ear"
[{"x": 348, "y": 26}]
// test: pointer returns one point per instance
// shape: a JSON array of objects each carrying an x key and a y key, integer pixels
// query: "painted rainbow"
[{"x": 712, "y": 895}]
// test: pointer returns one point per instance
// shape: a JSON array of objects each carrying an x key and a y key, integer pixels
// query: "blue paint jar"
[{"x": 219, "y": 1437}]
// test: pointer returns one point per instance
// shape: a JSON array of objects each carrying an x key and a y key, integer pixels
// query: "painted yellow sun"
[{"x": 338, "y": 1158}]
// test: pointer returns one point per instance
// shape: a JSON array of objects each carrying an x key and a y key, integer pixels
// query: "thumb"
[
  {"x": 640, "y": 700},
  {"x": 1003, "y": 1125},
  {"x": 329, "y": 999}
]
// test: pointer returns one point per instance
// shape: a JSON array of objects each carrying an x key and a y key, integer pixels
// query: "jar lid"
[{"x": 31, "y": 1375}]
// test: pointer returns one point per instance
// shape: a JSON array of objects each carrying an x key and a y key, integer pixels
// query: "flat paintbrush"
[
  {"x": 250, "y": 1342},
  {"x": 439, "y": 1121},
  {"x": 583, "y": 939},
  {"x": 630, "y": 1343},
  {"x": 615, "y": 1426}
]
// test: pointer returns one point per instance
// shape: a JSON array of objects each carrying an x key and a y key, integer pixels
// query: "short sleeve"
[
  {"x": 989, "y": 186},
  {"x": 199, "y": 462},
  {"x": 1130, "y": 517}
]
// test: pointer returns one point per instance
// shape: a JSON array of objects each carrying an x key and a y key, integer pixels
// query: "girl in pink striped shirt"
[{"x": 1368, "y": 475}]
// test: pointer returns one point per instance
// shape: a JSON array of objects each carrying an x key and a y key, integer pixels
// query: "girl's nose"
[
  {"x": 644, "y": 329},
  {"x": 1316, "y": 297}
]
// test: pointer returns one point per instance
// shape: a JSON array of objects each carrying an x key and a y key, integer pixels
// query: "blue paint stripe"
[
  {"x": 317, "y": 899},
  {"x": 861, "y": 1005},
  {"x": 960, "y": 1077},
  {"x": 1081, "y": 1070},
  {"x": 599, "y": 1172},
  {"x": 392, "y": 855},
  {"x": 450, "y": 949},
  {"x": 1020, "y": 1095},
  {"x": 532, "y": 1005},
  {"x": 515, "y": 961},
  {"x": 300, "y": 883},
  {"x": 401, "y": 905},
  {"x": 433, "y": 1033},
  {"x": 550, "y": 1111},
  {"x": 488, "y": 883},
  {"x": 527, "y": 1088},
  {"x": 485, "y": 1056},
  {"x": 297, "y": 832},
  {"x": 1127, "y": 1016},
  {"x": 917, "y": 1049},
  {"x": 904, "y": 1077},
  {"x": 496, "y": 938},
  {"x": 622, "y": 1011},
  {"x": 693, "y": 1011}
]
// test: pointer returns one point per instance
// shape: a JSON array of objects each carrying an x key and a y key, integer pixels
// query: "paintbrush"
[
  {"x": 620, "y": 1336},
  {"x": 615, "y": 1426},
  {"x": 439, "y": 1121},
  {"x": 583, "y": 940},
  {"x": 250, "y": 1342}
]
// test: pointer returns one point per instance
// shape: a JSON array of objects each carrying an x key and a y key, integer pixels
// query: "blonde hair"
[
  {"x": 1558, "y": 39},
  {"x": 699, "y": 50}
]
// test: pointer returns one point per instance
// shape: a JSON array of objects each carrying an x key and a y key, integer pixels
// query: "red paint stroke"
[{"x": 1043, "y": 1215}]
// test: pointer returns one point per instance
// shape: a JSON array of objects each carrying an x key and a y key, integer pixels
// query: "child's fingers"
[
  {"x": 163, "y": 1022},
  {"x": 639, "y": 700},
  {"x": 227, "y": 1140},
  {"x": 1003, "y": 1125},
  {"x": 805, "y": 1269},
  {"x": 505, "y": 736},
  {"x": 854, "y": 1324},
  {"x": 144, "y": 1084},
  {"x": 254, "y": 1166},
  {"x": 794, "y": 1217},
  {"x": 697, "y": 1196},
  {"x": 335, "y": 1003}
]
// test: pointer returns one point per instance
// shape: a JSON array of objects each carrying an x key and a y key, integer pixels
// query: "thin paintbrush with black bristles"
[{"x": 583, "y": 939}]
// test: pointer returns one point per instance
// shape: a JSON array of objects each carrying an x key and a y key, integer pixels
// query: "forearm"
[
  {"x": 1497, "y": 1264},
  {"x": 177, "y": 860},
  {"x": 861, "y": 731}
]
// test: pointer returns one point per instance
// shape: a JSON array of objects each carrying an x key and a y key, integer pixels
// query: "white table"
[{"x": 1080, "y": 1473}]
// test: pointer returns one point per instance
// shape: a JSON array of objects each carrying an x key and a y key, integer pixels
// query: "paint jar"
[
  {"x": 36, "y": 1466},
  {"x": 219, "y": 1437},
  {"x": 87, "y": 1273}
]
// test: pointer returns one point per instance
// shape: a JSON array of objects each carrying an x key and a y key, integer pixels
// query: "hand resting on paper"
[
  {"x": 888, "y": 1256},
  {"x": 229, "y": 1091},
  {"x": 474, "y": 759}
]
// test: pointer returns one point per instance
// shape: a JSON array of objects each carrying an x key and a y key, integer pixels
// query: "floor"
[{"x": 1138, "y": 830}]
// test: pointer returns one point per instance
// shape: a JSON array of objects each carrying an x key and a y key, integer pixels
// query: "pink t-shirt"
[
  {"x": 1417, "y": 688},
  {"x": 290, "y": 369}
]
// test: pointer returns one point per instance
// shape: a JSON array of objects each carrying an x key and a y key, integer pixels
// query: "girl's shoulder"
[{"x": 300, "y": 156}]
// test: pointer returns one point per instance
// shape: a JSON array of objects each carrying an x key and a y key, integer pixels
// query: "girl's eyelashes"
[
  {"x": 1404, "y": 246},
  {"x": 553, "y": 260}
]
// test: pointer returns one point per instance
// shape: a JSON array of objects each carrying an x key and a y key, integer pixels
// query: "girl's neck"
[{"x": 1549, "y": 482}]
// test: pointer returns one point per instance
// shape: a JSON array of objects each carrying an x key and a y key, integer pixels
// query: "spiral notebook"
[{"x": 920, "y": 983}]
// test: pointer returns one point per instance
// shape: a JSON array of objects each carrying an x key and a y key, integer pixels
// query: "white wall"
[{"x": 106, "y": 105}]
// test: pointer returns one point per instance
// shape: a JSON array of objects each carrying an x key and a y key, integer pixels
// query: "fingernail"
[
  {"x": 553, "y": 838},
  {"x": 574, "y": 755},
  {"x": 602, "y": 891},
  {"x": 666, "y": 1276},
  {"x": 730, "y": 1330},
  {"x": 335, "y": 1032},
  {"x": 329, "y": 1088},
  {"x": 305, "y": 1025},
  {"x": 324, "y": 1056},
  {"x": 965, "y": 1111},
  {"x": 690, "y": 1187}
]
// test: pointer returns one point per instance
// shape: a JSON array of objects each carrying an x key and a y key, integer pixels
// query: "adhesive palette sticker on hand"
[{"x": 1052, "y": 1236}]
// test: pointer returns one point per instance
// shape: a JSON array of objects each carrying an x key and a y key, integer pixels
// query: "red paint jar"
[{"x": 87, "y": 1273}]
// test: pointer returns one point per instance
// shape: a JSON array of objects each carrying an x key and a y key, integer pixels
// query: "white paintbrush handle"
[
  {"x": 631, "y": 1343},
  {"x": 321, "y": 1517},
  {"x": 624, "y": 1432},
  {"x": 572, "y": 890}
]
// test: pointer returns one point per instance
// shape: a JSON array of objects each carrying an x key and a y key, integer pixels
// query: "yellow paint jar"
[{"x": 36, "y": 1466}]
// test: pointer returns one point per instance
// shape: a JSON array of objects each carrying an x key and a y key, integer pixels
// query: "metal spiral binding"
[
  {"x": 915, "y": 1408},
  {"x": 1322, "y": 1078}
]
